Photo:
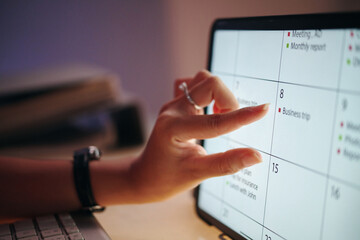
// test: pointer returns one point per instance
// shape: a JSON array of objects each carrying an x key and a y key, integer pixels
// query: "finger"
[
  {"x": 209, "y": 126},
  {"x": 220, "y": 164},
  {"x": 210, "y": 89},
  {"x": 200, "y": 76}
]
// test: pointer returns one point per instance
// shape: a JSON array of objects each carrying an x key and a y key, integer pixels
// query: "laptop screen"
[{"x": 308, "y": 185}]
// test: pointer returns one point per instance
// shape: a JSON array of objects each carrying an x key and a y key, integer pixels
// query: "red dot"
[
  {"x": 350, "y": 47},
  {"x": 338, "y": 151},
  {"x": 342, "y": 124},
  {"x": 351, "y": 33},
  {"x": 288, "y": 34},
  {"x": 279, "y": 109}
]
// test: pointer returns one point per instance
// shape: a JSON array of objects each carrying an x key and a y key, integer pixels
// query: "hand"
[{"x": 171, "y": 161}]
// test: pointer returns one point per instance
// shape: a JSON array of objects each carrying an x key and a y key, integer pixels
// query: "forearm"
[
  {"x": 31, "y": 187},
  {"x": 35, "y": 187}
]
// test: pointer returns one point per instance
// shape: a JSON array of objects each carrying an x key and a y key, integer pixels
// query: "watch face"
[{"x": 94, "y": 153}]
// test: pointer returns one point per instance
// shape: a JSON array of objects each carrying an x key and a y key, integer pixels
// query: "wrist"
[
  {"x": 111, "y": 182},
  {"x": 146, "y": 184}
]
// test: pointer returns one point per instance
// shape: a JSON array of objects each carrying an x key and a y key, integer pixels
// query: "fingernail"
[
  {"x": 259, "y": 155},
  {"x": 252, "y": 159},
  {"x": 265, "y": 106}
]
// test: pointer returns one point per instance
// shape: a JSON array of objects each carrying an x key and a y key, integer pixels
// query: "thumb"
[{"x": 225, "y": 163}]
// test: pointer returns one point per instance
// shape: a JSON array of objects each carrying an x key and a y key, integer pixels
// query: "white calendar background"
[{"x": 308, "y": 186}]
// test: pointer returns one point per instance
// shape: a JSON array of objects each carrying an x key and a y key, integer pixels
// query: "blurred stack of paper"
[{"x": 37, "y": 100}]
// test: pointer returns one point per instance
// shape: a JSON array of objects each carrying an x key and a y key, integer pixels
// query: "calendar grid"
[{"x": 316, "y": 172}]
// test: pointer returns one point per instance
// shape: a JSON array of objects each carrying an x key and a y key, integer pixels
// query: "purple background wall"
[
  {"x": 124, "y": 36},
  {"x": 147, "y": 43}
]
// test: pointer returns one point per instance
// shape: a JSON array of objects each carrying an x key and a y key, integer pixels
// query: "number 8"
[{"x": 281, "y": 93}]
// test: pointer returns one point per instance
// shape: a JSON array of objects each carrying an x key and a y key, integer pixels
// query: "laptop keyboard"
[{"x": 50, "y": 227}]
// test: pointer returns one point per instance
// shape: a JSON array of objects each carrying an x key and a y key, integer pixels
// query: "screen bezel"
[{"x": 286, "y": 22}]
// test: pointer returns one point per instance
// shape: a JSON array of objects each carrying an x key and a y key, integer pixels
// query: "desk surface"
[{"x": 172, "y": 219}]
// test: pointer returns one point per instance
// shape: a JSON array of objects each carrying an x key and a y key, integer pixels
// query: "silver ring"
[{"x": 183, "y": 86}]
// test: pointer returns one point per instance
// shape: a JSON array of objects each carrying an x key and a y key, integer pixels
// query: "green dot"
[
  {"x": 287, "y": 45},
  {"x": 348, "y": 61},
  {"x": 227, "y": 182},
  {"x": 340, "y": 137}
]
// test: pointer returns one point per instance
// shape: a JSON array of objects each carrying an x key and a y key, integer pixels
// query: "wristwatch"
[{"x": 82, "y": 157}]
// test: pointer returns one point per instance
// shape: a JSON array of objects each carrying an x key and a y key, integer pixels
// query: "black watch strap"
[{"x": 82, "y": 177}]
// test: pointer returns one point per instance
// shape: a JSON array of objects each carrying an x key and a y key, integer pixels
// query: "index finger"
[{"x": 209, "y": 126}]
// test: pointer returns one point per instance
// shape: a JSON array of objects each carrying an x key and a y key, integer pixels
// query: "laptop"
[
  {"x": 80, "y": 225},
  {"x": 308, "y": 185}
]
